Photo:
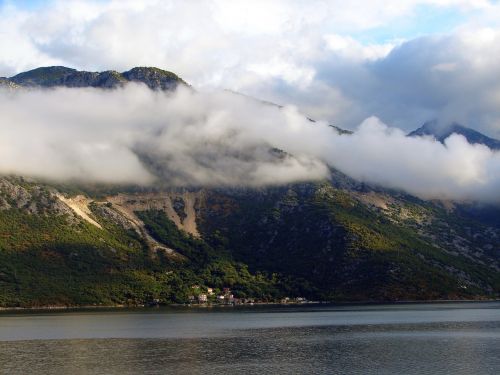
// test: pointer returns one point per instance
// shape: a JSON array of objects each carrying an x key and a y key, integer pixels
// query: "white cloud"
[
  {"x": 420, "y": 166},
  {"x": 291, "y": 74},
  {"x": 135, "y": 135},
  {"x": 317, "y": 55},
  {"x": 349, "y": 48}
]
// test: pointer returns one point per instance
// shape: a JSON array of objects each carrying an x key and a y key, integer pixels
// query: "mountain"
[
  {"x": 6, "y": 83},
  {"x": 433, "y": 128},
  {"x": 54, "y": 76},
  {"x": 334, "y": 240}
]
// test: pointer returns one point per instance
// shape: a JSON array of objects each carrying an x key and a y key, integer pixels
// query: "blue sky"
[
  {"x": 424, "y": 20},
  {"x": 25, "y": 4}
]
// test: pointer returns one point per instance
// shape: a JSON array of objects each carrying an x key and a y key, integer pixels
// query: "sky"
[{"x": 405, "y": 62}]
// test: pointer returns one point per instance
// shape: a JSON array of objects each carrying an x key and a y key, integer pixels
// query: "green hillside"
[{"x": 308, "y": 240}]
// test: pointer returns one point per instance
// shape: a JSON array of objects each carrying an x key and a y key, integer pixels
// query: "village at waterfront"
[{"x": 202, "y": 296}]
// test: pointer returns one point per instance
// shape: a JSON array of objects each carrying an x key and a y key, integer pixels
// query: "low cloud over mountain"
[{"x": 136, "y": 135}]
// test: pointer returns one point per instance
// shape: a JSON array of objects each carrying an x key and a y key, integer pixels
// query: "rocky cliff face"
[
  {"x": 154, "y": 78},
  {"x": 5, "y": 83}
]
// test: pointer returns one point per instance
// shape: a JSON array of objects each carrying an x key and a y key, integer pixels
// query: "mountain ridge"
[
  {"x": 54, "y": 76},
  {"x": 440, "y": 133}
]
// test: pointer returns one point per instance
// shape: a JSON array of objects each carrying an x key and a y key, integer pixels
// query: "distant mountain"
[
  {"x": 439, "y": 132},
  {"x": 54, "y": 76},
  {"x": 75, "y": 244},
  {"x": 341, "y": 131}
]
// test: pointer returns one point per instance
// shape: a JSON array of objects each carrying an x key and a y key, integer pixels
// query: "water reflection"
[
  {"x": 324, "y": 341},
  {"x": 446, "y": 349}
]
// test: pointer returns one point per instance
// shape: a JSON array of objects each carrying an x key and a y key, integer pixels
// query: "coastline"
[{"x": 82, "y": 308}]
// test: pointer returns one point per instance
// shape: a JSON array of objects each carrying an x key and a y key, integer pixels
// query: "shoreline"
[{"x": 77, "y": 308}]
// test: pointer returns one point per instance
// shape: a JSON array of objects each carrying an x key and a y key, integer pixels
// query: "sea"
[{"x": 411, "y": 338}]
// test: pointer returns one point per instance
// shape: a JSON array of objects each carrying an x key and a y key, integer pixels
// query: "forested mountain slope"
[{"x": 334, "y": 240}]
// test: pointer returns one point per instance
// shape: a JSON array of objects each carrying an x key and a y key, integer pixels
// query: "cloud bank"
[
  {"x": 135, "y": 135},
  {"x": 405, "y": 62}
]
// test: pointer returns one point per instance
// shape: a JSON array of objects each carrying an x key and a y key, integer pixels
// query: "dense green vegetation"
[
  {"x": 344, "y": 250},
  {"x": 212, "y": 266},
  {"x": 46, "y": 261},
  {"x": 308, "y": 240}
]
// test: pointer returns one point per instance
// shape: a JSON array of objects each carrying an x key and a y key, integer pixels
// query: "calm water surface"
[{"x": 447, "y": 338}]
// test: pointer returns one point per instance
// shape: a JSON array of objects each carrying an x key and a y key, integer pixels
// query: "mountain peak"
[
  {"x": 56, "y": 76},
  {"x": 441, "y": 132},
  {"x": 153, "y": 77},
  {"x": 42, "y": 76}
]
